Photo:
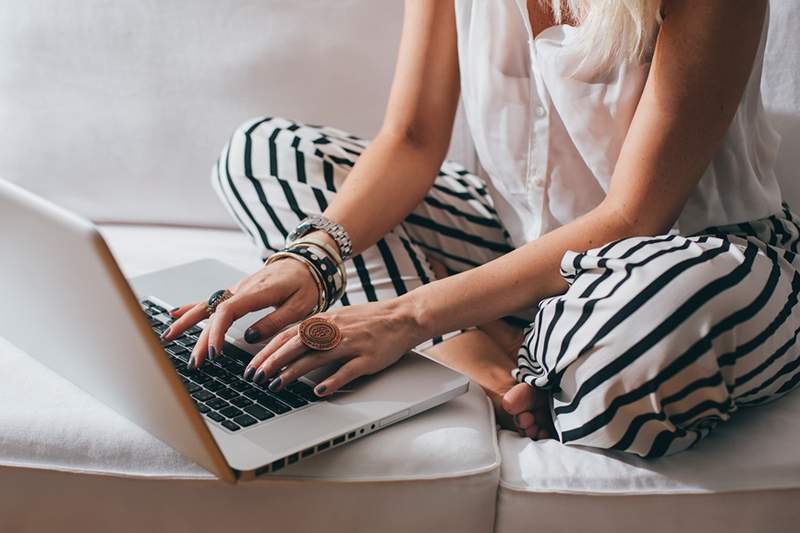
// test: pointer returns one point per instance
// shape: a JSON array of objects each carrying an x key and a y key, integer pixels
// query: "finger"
[
  {"x": 349, "y": 371},
  {"x": 187, "y": 320},
  {"x": 300, "y": 367},
  {"x": 199, "y": 352},
  {"x": 259, "y": 358},
  {"x": 289, "y": 312},
  {"x": 182, "y": 310},
  {"x": 290, "y": 351},
  {"x": 220, "y": 322}
]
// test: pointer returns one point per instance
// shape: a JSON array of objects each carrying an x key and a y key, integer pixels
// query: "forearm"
[
  {"x": 390, "y": 178},
  {"x": 513, "y": 282}
]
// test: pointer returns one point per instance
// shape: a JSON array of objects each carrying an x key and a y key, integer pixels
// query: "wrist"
[{"x": 412, "y": 313}]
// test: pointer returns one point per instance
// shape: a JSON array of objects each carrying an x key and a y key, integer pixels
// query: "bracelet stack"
[{"x": 325, "y": 265}]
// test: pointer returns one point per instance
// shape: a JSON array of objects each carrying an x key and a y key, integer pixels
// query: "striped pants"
[{"x": 657, "y": 339}]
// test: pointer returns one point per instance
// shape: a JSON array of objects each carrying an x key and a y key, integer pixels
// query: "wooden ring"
[{"x": 319, "y": 333}]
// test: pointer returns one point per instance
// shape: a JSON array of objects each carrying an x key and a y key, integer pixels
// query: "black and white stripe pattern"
[
  {"x": 657, "y": 339},
  {"x": 274, "y": 172}
]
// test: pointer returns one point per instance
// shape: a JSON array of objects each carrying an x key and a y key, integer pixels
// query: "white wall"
[{"x": 118, "y": 109}]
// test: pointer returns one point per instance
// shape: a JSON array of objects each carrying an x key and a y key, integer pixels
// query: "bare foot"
[
  {"x": 487, "y": 355},
  {"x": 530, "y": 409},
  {"x": 476, "y": 355}
]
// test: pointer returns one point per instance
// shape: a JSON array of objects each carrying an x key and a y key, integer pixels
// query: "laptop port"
[
  {"x": 338, "y": 440},
  {"x": 308, "y": 451}
]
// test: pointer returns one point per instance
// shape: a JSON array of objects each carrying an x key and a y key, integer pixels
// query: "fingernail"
[
  {"x": 320, "y": 390},
  {"x": 259, "y": 377},
  {"x": 173, "y": 311},
  {"x": 252, "y": 335},
  {"x": 275, "y": 385},
  {"x": 166, "y": 332},
  {"x": 190, "y": 363},
  {"x": 248, "y": 372},
  {"x": 212, "y": 353}
]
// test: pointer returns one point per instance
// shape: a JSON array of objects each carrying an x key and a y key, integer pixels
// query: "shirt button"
[{"x": 540, "y": 111}]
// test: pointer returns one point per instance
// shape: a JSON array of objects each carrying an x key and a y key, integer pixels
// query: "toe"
[
  {"x": 518, "y": 399},
  {"x": 525, "y": 420}
]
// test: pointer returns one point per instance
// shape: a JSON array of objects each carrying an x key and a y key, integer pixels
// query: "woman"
[{"x": 629, "y": 260}]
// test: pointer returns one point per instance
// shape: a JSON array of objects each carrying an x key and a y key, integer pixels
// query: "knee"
[{"x": 243, "y": 155}]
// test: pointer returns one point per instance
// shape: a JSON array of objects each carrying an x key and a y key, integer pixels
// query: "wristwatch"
[{"x": 336, "y": 231}]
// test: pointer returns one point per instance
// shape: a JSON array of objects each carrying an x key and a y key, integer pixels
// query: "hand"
[
  {"x": 286, "y": 285},
  {"x": 374, "y": 336}
]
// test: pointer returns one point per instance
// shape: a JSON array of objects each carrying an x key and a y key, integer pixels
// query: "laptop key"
[
  {"x": 214, "y": 371},
  {"x": 227, "y": 378},
  {"x": 191, "y": 387},
  {"x": 272, "y": 404},
  {"x": 214, "y": 386},
  {"x": 230, "y": 412},
  {"x": 289, "y": 398},
  {"x": 258, "y": 412},
  {"x": 241, "y": 401},
  {"x": 252, "y": 393},
  {"x": 240, "y": 386},
  {"x": 202, "y": 395},
  {"x": 237, "y": 353},
  {"x": 217, "y": 403},
  {"x": 228, "y": 394},
  {"x": 231, "y": 366},
  {"x": 304, "y": 391},
  {"x": 216, "y": 417},
  {"x": 230, "y": 425},
  {"x": 203, "y": 408},
  {"x": 245, "y": 420},
  {"x": 199, "y": 377}
]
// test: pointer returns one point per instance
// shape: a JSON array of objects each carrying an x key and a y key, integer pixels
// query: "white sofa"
[{"x": 117, "y": 110}]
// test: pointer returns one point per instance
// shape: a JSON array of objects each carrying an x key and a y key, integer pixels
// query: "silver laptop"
[{"x": 66, "y": 303}]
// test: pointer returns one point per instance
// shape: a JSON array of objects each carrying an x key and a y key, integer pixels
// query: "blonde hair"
[{"x": 610, "y": 31}]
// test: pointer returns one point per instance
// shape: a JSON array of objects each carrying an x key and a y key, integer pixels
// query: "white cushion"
[
  {"x": 746, "y": 469},
  {"x": 52, "y": 433}
]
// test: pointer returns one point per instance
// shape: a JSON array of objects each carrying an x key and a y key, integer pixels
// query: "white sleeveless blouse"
[{"x": 549, "y": 141}]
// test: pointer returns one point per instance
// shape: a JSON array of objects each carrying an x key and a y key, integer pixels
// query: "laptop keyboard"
[{"x": 218, "y": 390}]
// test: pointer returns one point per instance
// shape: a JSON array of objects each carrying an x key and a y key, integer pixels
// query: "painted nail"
[
  {"x": 212, "y": 353},
  {"x": 248, "y": 372},
  {"x": 252, "y": 335},
  {"x": 275, "y": 385},
  {"x": 259, "y": 377},
  {"x": 190, "y": 364},
  {"x": 320, "y": 390},
  {"x": 166, "y": 333}
]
